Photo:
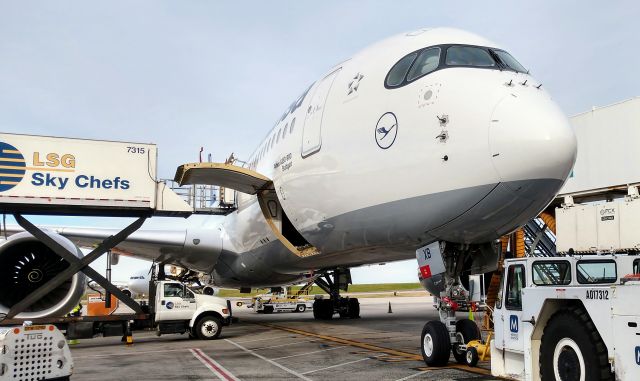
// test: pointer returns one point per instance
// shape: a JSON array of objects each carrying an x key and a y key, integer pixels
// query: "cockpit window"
[
  {"x": 399, "y": 70},
  {"x": 427, "y": 62},
  {"x": 469, "y": 56},
  {"x": 508, "y": 60}
]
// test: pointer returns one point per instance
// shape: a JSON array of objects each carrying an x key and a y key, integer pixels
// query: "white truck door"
[
  {"x": 512, "y": 327},
  {"x": 311, "y": 135},
  {"x": 175, "y": 302}
]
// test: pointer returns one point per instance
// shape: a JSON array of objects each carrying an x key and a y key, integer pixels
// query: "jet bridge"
[{"x": 44, "y": 175}]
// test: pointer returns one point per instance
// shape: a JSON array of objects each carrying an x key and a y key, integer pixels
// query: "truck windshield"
[{"x": 173, "y": 290}]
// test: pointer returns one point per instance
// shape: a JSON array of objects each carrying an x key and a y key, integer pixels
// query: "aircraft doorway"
[{"x": 311, "y": 135}]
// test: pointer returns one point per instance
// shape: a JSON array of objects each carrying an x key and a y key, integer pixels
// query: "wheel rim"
[
  {"x": 209, "y": 328},
  {"x": 461, "y": 342},
  {"x": 427, "y": 345},
  {"x": 469, "y": 357},
  {"x": 568, "y": 361}
]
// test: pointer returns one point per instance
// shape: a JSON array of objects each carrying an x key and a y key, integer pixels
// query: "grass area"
[{"x": 382, "y": 287}]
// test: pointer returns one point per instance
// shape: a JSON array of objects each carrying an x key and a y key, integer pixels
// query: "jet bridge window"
[
  {"x": 596, "y": 271},
  {"x": 515, "y": 284},
  {"x": 508, "y": 61},
  {"x": 551, "y": 273},
  {"x": 469, "y": 56},
  {"x": 427, "y": 62}
]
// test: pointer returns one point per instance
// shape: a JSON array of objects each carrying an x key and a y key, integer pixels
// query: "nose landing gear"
[{"x": 332, "y": 282}]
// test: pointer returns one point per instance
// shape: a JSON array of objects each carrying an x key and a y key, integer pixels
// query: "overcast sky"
[{"x": 185, "y": 74}]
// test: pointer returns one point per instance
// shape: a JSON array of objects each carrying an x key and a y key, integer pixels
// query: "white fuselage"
[{"x": 367, "y": 174}]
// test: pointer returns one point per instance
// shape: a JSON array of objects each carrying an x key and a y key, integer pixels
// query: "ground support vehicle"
[
  {"x": 568, "y": 318},
  {"x": 269, "y": 303},
  {"x": 172, "y": 308},
  {"x": 34, "y": 352}
]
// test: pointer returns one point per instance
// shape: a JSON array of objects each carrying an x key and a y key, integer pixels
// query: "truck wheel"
[
  {"x": 300, "y": 308},
  {"x": 468, "y": 330},
  {"x": 435, "y": 343},
  {"x": 323, "y": 309},
  {"x": 208, "y": 327},
  {"x": 471, "y": 356},
  {"x": 572, "y": 349},
  {"x": 268, "y": 309},
  {"x": 354, "y": 308}
]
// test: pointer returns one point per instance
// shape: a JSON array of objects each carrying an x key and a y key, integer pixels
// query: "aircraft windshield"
[
  {"x": 508, "y": 60},
  {"x": 469, "y": 56}
]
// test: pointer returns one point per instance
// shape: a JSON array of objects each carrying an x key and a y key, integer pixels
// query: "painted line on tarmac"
[
  {"x": 284, "y": 345},
  {"x": 339, "y": 365},
  {"x": 412, "y": 375},
  {"x": 267, "y": 338},
  {"x": 291, "y": 371},
  {"x": 215, "y": 367},
  {"x": 375, "y": 348},
  {"x": 308, "y": 353}
]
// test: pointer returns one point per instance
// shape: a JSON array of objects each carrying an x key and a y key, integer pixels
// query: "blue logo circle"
[
  {"x": 386, "y": 130},
  {"x": 12, "y": 166},
  {"x": 169, "y": 305}
]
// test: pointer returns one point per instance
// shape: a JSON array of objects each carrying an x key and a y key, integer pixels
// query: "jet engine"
[
  {"x": 26, "y": 264},
  {"x": 209, "y": 290}
]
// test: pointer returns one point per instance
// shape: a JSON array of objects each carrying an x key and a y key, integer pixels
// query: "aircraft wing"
[{"x": 148, "y": 244}]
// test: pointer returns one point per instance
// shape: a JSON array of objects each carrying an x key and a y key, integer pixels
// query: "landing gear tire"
[
  {"x": 208, "y": 328},
  {"x": 300, "y": 308},
  {"x": 471, "y": 357},
  {"x": 572, "y": 349},
  {"x": 435, "y": 343},
  {"x": 323, "y": 309},
  {"x": 354, "y": 308},
  {"x": 467, "y": 330}
]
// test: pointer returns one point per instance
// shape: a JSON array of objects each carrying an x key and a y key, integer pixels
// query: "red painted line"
[{"x": 213, "y": 365}]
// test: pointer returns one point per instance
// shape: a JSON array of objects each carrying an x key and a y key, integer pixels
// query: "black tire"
[
  {"x": 435, "y": 350},
  {"x": 469, "y": 331},
  {"x": 268, "y": 309},
  {"x": 569, "y": 338},
  {"x": 317, "y": 307},
  {"x": 471, "y": 356},
  {"x": 300, "y": 308},
  {"x": 354, "y": 308},
  {"x": 208, "y": 327}
]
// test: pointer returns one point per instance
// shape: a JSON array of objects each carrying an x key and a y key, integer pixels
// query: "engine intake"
[{"x": 26, "y": 264}]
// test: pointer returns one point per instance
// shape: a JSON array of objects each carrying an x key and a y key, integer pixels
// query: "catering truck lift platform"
[{"x": 43, "y": 175}]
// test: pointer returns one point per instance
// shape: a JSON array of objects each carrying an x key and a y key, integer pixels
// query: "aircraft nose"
[{"x": 531, "y": 139}]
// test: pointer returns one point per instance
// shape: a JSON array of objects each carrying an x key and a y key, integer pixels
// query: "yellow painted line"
[
  {"x": 11, "y": 151},
  {"x": 12, "y": 160},
  {"x": 10, "y": 175},
  {"x": 9, "y": 182},
  {"x": 36, "y": 169},
  {"x": 375, "y": 348}
]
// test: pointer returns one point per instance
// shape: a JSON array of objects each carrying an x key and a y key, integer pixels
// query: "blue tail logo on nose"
[
  {"x": 386, "y": 130},
  {"x": 513, "y": 323}
]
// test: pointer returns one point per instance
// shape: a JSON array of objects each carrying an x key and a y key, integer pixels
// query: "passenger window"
[
  {"x": 469, "y": 56},
  {"x": 272, "y": 141},
  {"x": 427, "y": 62},
  {"x": 399, "y": 71},
  {"x": 509, "y": 61},
  {"x": 515, "y": 284},
  {"x": 551, "y": 273},
  {"x": 596, "y": 271},
  {"x": 189, "y": 294},
  {"x": 293, "y": 123},
  {"x": 173, "y": 290},
  {"x": 284, "y": 130},
  {"x": 636, "y": 266}
]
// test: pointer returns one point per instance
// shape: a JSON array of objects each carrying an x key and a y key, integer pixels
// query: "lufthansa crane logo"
[
  {"x": 12, "y": 166},
  {"x": 386, "y": 130}
]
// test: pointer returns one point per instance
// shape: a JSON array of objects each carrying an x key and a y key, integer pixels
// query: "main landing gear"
[{"x": 332, "y": 282}]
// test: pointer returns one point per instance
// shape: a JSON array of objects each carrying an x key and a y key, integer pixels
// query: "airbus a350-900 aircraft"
[{"x": 433, "y": 137}]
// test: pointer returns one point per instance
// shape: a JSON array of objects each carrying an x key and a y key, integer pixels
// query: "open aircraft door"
[
  {"x": 251, "y": 182},
  {"x": 311, "y": 135}
]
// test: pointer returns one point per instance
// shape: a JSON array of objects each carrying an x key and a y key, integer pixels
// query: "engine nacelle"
[
  {"x": 26, "y": 264},
  {"x": 210, "y": 290}
]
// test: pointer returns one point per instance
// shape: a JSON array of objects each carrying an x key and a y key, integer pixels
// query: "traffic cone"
[{"x": 390, "y": 312}]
